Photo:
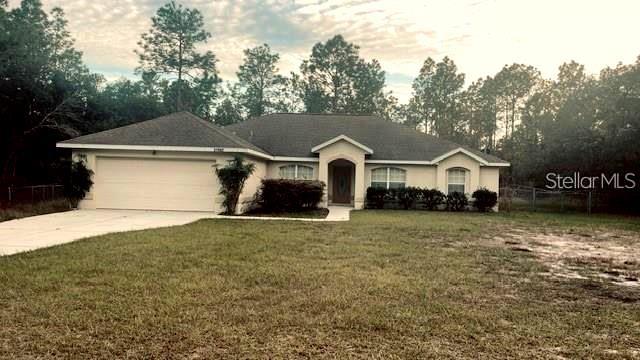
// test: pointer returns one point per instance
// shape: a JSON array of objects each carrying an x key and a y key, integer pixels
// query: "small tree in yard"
[
  {"x": 78, "y": 182},
  {"x": 232, "y": 178}
]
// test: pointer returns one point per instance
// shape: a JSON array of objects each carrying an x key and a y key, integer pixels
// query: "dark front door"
[{"x": 342, "y": 185}]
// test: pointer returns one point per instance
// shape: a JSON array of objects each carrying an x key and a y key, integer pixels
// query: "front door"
[{"x": 342, "y": 185}]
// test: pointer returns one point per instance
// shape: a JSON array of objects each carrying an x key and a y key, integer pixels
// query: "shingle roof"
[
  {"x": 285, "y": 134},
  {"x": 177, "y": 129},
  {"x": 282, "y": 134}
]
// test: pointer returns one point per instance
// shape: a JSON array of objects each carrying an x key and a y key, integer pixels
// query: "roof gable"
[{"x": 336, "y": 139}]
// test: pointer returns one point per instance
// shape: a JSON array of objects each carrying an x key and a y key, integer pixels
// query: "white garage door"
[{"x": 155, "y": 184}]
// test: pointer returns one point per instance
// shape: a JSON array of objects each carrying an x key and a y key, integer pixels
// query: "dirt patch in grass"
[{"x": 611, "y": 256}]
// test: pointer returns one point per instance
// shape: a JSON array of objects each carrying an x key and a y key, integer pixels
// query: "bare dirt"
[{"x": 602, "y": 256}]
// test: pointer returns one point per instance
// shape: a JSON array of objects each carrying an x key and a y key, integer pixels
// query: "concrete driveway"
[
  {"x": 53, "y": 229},
  {"x": 59, "y": 228}
]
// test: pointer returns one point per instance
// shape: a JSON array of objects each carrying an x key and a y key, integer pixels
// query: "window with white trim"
[
  {"x": 456, "y": 180},
  {"x": 296, "y": 172},
  {"x": 388, "y": 178}
]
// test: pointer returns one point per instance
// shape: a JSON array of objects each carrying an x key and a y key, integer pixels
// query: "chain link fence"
[
  {"x": 14, "y": 195},
  {"x": 539, "y": 199}
]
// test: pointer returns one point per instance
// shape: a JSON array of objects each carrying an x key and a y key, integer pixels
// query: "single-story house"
[{"x": 167, "y": 163}]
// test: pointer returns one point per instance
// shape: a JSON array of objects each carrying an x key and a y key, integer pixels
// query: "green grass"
[
  {"x": 387, "y": 284},
  {"x": 39, "y": 208}
]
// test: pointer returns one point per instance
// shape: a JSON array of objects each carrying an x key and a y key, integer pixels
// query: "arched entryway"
[{"x": 341, "y": 184}]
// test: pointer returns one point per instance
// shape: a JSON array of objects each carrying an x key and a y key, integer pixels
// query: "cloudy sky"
[{"x": 479, "y": 35}]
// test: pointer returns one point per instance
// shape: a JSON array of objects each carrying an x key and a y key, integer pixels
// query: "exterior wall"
[
  {"x": 417, "y": 175},
  {"x": 347, "y": 151},
  {"x": 490, "y": 178},
  {"x": 217, "y": 159},
  {"x": 429, "y": 176},
  {"x": 459, "y": 161}
]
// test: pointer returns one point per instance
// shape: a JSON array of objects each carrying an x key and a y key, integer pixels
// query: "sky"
[{"x": 481, "y": 36}]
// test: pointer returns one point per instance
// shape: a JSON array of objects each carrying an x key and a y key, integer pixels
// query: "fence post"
[
  {"x": 589, "y": 203},
  {"x": 533, "y": 202},
  {"x": 9, "y": 189}
]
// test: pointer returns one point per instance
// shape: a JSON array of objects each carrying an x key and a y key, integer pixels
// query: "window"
[
  {"x": 388, "y": 178},
  {"x": 296, "y": 172},
  {"x": 304, "y": 172},
  {"x": 456, "y": 180}
]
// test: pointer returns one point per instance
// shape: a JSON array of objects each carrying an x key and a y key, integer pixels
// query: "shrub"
[
  {"x": 280, "y": 195},
  {"x": 408, "y": 196},
  {"x": 376, "y": 197},
  {"x": 484, "y": 199},
  {"x": 432, "y": 198},
  {"x": 78, "y": 182},
  {"x": 232, "y": 178},
  {"x": 457, "y": 201}
]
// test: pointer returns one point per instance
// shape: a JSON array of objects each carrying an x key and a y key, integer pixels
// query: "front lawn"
[{"x": 387, "y": 284}]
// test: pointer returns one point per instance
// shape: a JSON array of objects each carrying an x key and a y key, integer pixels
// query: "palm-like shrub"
[
  {"x": 78, "y": 181},
  {"x": 232, "y": 178}
]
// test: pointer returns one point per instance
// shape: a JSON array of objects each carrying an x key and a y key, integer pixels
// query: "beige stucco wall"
[
  {"x": 92, "y": 199},
  {"x": 347, "y": 151},
  {"x": 463, "y": 161},
  {"x": 429, "y": 176},
  {"x": 417, "y": 175},
  {"x": 490, "y": 178}
]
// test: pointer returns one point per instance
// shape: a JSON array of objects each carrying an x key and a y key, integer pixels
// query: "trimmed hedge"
[
  {"x": 430, "y": 199},
  {"x": 404, "y": 198},
  {"x": 408, "y": 196},
  {"x": 484, "y": 199},
  {"x": 375, "y": 197},
  {"x": 280, "y": 195},
  {"x": 457, "y": 201}
]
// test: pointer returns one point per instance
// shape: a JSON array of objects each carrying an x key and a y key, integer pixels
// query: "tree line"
[{"x": 576, "y": 121}]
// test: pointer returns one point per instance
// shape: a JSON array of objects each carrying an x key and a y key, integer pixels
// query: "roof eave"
[{"x": 165, "y": 148}]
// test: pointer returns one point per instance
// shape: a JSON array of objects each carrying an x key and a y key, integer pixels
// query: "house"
[{"x": 167, "y": 163}]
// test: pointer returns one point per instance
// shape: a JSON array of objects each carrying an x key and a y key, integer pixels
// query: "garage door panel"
[{"x": 155, "y": 184}]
